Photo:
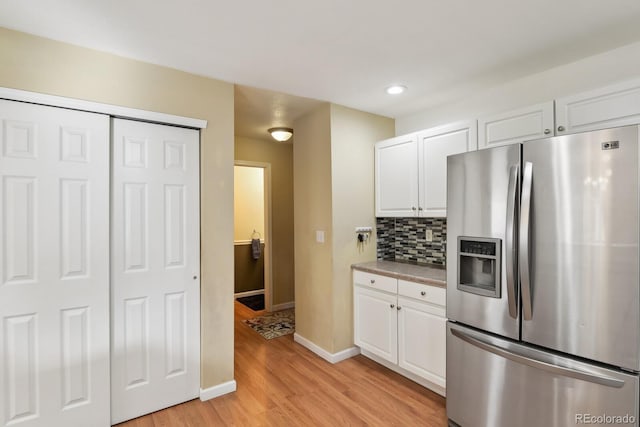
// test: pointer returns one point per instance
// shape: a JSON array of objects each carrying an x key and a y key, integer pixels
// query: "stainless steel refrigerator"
[{"x": 543, "y": 288}]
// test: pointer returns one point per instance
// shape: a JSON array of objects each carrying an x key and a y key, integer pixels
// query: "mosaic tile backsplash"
[{"x": 403, "y": 239}]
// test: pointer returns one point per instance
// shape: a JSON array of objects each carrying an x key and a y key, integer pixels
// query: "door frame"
[{"x": 268, "y": 262}]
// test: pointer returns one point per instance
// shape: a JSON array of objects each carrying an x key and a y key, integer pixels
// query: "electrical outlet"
[{"x": 428, "y": 235}]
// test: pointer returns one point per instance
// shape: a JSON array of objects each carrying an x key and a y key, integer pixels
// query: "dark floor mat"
[{"x": 254, "y": 302}]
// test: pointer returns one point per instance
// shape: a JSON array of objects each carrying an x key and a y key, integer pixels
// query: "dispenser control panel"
[{"x": 479, "y": 266}]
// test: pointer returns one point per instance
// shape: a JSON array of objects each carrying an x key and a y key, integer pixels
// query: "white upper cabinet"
[
  {"x": 516, "y": 126},
  {"x": 396, "y": 178},
  {"x": 411, "y": 170},
  {"x": 434, "y": 145},
  {"x": 611, "y": 106}
]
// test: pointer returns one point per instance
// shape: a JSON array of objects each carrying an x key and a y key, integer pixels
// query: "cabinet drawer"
[
  {"x": 375, "y": 281},
  {"x": 419, "y": 291}
]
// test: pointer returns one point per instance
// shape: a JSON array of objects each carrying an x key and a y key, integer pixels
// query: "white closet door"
[
  {"x": 155, "y": 268},
  {"x": 54, "y": 266}
]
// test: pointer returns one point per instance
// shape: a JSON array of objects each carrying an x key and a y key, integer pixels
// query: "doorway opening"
[{"x": 252, "y": 235}]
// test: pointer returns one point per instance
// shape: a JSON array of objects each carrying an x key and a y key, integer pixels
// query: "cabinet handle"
[
  {"x": 373, "y": 281},
  {"x": 398, "y": 308},
  {"x": 560, "y": 128},
  {"x": 392, "y": 305},
  {"x": 547, "y": 131},
  {"x": 423, "y": 293}
]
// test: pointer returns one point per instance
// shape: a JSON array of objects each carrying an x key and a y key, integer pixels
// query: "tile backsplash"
[{"x": 403, "y": 239}]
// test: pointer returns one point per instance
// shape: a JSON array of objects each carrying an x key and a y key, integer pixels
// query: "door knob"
[
  {"x": 423, "y": 293},
  {"x": 560, "y": 128},
  {"x": 392, "y": 305},
  {"x": 547, "y": 131},
  {"x": 195, "y": 277},
  {"x": 399, "y": 308}
]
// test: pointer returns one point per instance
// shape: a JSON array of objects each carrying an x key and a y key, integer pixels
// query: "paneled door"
[
  {"x": 54, "y": 266},
  {"x": 155, "y": 268}
]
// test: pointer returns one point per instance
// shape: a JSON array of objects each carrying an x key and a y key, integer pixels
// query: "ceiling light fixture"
[
  {"x": 396, "y": 89},
  {"x": 281, "y": 134}
]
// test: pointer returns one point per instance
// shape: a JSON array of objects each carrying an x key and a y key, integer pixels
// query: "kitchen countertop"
[{"x": 400, "y": 270}]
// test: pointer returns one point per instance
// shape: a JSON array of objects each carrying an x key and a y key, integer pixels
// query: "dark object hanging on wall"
[{"x": 256, "y": 247}]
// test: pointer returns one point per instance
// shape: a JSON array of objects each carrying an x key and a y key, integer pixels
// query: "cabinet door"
[
  {"x": 434, "y": 145},
  {"x": 511, "y": 127},
  {"x": 376, "y": 322},
  {"x": 422, "y": 339},
  {"x": 611, "y": 106},
  {"x": 396, "y": 178}
]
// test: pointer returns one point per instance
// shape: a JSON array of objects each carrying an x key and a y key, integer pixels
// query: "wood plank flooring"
[{"x": 281, "y": 383}]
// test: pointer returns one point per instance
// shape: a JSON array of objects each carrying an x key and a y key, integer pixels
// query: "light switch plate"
[
  {"x": 428, "y": 235},
  {"x": 319, "y": 236}
]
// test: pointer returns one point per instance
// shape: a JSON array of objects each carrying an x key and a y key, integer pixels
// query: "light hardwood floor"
[{"x": 281, "y": 383}]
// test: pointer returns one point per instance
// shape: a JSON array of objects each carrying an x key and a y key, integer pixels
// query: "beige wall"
[
  {"x": 40, "y": 65},
  {"x": 280, "y": 157},
  {"x": 353, "y": 135},
  {"x": 248, "y": 203},
  {"x": 334, "y": 192},
  {"x": 312, "y": 211}
]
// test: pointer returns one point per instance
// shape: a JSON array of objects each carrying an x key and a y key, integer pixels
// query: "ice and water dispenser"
[{"x": 479, "y": 266}]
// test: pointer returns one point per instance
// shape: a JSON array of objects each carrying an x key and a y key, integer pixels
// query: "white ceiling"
[{"x": 342, "y": 51}]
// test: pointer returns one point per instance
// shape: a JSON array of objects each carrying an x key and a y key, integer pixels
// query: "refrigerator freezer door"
[
  {"x": 495, "y": 382},
  {"x": 482, "y": 190},
  {"x": 582, "y": 255}
]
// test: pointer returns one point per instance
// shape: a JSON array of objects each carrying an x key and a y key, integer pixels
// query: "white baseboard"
[
  {"x": 283, "y": 306},
  {"x": 329, "y": 357},
  {"x": 438, "y": 388},
  {"x": 248, "y": 293},
  {"x": 218, "y": 390}
]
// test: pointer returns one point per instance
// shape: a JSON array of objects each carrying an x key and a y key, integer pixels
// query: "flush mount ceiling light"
[
  {"x": 281, "y": 134},
  {"x": 396, "y": 89}
]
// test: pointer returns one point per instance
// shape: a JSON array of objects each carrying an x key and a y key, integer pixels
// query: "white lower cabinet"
[
  {"x": 402, "y": 324},
  {"x": 422, "y": 339},
  {"x": 377, "y": 321}
]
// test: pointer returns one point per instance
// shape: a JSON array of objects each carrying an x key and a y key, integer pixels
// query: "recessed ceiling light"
[{"x": 396, "y": 89}]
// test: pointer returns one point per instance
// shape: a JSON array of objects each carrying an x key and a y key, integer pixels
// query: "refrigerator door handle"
[
  {"x": 515, "y": 356},
  {"x": 510, "y": 240},
  {"x": 523, "y": 240}
]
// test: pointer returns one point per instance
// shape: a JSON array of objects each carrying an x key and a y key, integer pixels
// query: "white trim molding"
[
  {"x": 96, "y": 107},
  {"x": 244, "y": 242},
  {"x": 218, "y": 390},
  {"x": 283, "y": 306},
  {"x": 413, "y": 377},
  {"x": 329, "y": 357},
  {"x": 248, "y": 293}
]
